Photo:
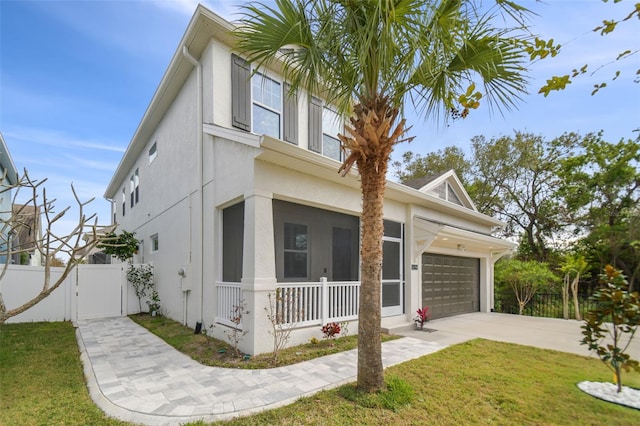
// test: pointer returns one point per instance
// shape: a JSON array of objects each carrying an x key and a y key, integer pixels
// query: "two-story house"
[
  {"x": 232, "y": 187},
  {"x": 9, "y": 178}
]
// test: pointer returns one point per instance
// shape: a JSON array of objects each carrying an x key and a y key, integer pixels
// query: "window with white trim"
[
  {"x": 446, "y": 192},
  {"x": 124, "y": 201},
  {"x": 261, "y": 104},
  {"x": 155, "y": 243},
  {"x": 134, "y": 188},
  {"x": 153, "y": 152},
  {"x": 324, "y": 126},
  {"x": 332, "y": 124},
  {"x": 267, "y": 105}
]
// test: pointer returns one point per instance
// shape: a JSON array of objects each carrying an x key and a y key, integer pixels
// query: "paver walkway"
[{"x": 135, "y": 376}]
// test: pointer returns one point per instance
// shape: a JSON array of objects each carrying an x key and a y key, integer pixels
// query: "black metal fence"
[{"x": 541, "y": 305}]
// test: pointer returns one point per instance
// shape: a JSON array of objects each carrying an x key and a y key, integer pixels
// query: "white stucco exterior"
[{"x": 202, "y": 165}]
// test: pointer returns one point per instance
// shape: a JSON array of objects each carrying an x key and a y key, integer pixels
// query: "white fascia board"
[{"x": 496, "y": 243}]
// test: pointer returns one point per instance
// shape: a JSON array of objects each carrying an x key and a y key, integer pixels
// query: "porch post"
[
  {"x": 325, "y": 300},
  {"x": 413, "y": 260},
  {"x": 258, "y": 270}
]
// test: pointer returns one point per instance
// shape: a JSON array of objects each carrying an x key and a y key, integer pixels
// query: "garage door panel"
[{"x": 450, "y": 285}]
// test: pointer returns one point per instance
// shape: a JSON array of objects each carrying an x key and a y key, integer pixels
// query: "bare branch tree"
[{"x": 74, "y": 244}]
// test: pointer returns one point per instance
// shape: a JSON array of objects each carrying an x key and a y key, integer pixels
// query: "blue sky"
[{"x": 76, "y": 78}]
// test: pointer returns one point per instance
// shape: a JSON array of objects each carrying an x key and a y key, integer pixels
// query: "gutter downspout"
[{"x": 200, "y": 256}]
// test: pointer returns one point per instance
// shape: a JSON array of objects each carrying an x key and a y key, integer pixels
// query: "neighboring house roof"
[
  {"x": 27, "y": 227},
  {"x": 6, "y": 162}
]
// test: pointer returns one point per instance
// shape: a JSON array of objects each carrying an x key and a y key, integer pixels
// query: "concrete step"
[{"x": 397, "y": 328}]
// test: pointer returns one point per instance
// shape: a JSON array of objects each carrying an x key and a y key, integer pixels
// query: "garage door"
[{"x": 450, "y": 285}]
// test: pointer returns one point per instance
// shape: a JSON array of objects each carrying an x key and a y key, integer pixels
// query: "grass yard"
[
  {"x": 41, "y": 378},
  {"x": 479, "y": 382},
  {"x": 475, "y": 383}
]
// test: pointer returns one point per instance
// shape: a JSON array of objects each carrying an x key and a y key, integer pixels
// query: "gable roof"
[
  {"x": 430, "y": 184},
  {"x": 420, "y": 182}
]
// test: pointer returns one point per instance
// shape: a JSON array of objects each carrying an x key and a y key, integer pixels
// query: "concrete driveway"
[{"x": 547, "y": 333}]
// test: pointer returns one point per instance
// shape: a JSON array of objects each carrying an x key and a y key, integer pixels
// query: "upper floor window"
[
  {"x": 331, "y": 126},
  {"x": 267, "y": 105},
  {"x": 261, "y": 104},
  {"x": 134, "y": 187},
  {"x": 124, "y": 201},
  {"x": 324, "y": 126},
  {"x": 153, "y": 152},
  {"x": 155, "y": 243}
]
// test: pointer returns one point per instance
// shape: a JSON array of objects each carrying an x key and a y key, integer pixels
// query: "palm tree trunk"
[
  {"x": 370, "y": 370},
  {"x": 369, "y": 146}
]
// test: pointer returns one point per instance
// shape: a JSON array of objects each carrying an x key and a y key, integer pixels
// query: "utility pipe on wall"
[{"x": 200, "y": 255}]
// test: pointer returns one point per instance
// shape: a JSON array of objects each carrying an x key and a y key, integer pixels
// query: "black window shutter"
[
  {"x": 315, "y": 125},
  {"x": 240, "y": 93},
  {"x": 290, "y": 115}
]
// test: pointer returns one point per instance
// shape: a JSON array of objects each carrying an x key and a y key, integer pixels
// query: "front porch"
[{"x": 297, "y": 305}]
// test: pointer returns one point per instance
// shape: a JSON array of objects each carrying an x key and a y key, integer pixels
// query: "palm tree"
[{"x": 369, "y": 58}]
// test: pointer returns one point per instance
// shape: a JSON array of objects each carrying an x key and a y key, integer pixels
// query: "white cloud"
[{"x": 60, "y": 139}]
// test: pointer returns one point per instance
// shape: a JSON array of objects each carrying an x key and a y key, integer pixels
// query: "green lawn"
[
  {"x": 479, "y": 382},
  {"x": 41, "y": 378}
]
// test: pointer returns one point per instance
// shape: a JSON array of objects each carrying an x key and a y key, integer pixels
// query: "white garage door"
[{"x": 450, "y": 284}]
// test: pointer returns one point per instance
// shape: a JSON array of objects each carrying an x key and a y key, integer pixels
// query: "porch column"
[
  {"x": 258, "y": 270},
  {"x": 413, "y": 284},
  {"x": 486, "y": 284}
]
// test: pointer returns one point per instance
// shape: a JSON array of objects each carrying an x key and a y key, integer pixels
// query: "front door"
[{"x": 392, "y": 278}]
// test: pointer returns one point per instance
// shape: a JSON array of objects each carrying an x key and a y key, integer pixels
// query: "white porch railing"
[
  {"x": 297, "y": 304},
  {"x": 230, "y": 299},
  {"x": 312, "y": 303}
]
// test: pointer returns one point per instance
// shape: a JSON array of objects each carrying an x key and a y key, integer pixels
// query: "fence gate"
[{"x": 101, "y": 291}]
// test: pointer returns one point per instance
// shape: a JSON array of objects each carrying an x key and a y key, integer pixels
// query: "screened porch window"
[{"x": 295, "y": 250}]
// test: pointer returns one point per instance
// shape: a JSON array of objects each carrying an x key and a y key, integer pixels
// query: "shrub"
[
  {"x": 141, "y": 278},
  {"x": 617, "y": 313}
]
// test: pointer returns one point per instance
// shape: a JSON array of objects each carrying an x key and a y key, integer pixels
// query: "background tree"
[
  {"x": 573, "y": 267},
  {"x": 524, "y": 278},
  {"x": 515, "y": 179},
  {"x": 85, "y": 235},
  {"x": 605, "y": 28},
  {"x": 601, "y": 188},
  {"x": 367, "y": 59},
  {"x": 122, "y": 246}
]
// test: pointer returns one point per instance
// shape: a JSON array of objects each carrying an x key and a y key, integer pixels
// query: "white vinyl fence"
[{"x": 90, "y": 291}]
